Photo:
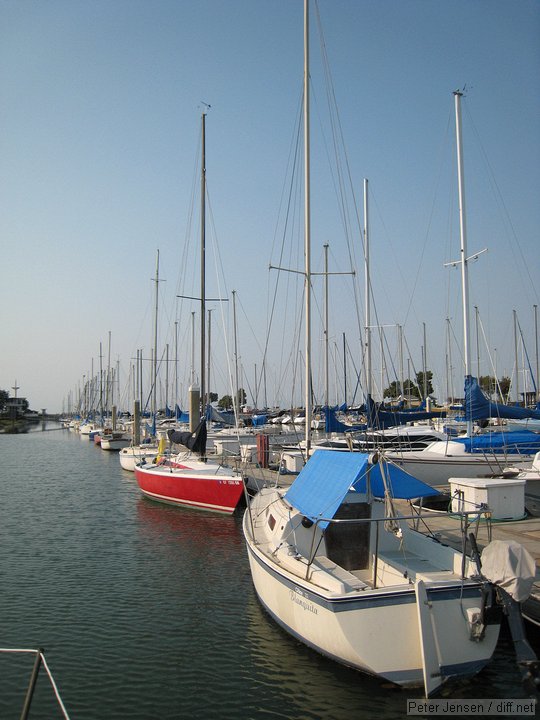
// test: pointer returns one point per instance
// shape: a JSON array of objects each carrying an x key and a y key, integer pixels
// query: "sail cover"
[
  {"x": 478, "y": 407},
  {"x": 512, "y": 442},
  {"x": 195, "y": 441},
  {"x": 226, "y": 418},
  {"x": 332, "y": 424},
  {"x": 381, "y": 419},
  {"x": 322, "y": 484}
]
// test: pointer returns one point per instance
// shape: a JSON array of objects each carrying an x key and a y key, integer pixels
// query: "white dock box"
[
  {"x": 229, "y": 446},
  {"x": 293, "y": 461},
  {"x": 505, "y": 497}
]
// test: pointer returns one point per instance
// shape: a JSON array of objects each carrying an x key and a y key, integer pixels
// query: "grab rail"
[{"x": 40, "y": 658}]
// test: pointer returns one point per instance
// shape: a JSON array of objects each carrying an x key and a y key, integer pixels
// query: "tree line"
[{"x": 422, "y": 386}]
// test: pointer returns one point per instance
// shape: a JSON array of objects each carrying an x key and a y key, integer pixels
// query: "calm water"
[{"x": 146, "y": 611}]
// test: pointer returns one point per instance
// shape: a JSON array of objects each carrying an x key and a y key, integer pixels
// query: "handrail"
[
  {"x": 464, "y": 516},
  {"x": 40, "y": 658}
]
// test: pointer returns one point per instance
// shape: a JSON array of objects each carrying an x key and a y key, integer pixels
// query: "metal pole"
[
  {"x": 367, "y": 290},
  {"x": 516, "y": 355},
  {"x": 236, "y": 396},
  {"x": 154, "y": 391},
  {"x": 307, "y": 227},
  {"x": 326, "y": 361},
  {"x": 209, "y": 352},
  {"x": 32, "y": 685},
  {"x": 203, "y": 260},
  {"x": 536, "y": 351},
  {"x": 463, "y": 236},
  {"x": 477, "y": 344}
]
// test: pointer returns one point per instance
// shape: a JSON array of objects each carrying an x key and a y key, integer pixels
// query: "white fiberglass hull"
[
  {"x": 133, "y": 455},
  {"x": 375, "y": 631},
  {"x": 436, "y": 466},
  {"x": 413, "y": 628}
]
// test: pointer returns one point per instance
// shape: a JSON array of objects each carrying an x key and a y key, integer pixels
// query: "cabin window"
[
  {"x": 272, "y": 522},
  {"x": 347, "y": 544}
]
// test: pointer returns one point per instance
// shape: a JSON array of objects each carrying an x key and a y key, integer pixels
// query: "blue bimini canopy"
[
  {"x": 401, "y": 485},
  {"x": 327, "y": 477}
]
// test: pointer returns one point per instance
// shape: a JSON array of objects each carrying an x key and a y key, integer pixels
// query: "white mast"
[
  {"x": 463, "y": 237},
  {"x": 154, "y": 359},
  {"x": 326, "y": 361},
  {"x": 367, "y": 291},
  {"x": 203, "y": 260},
  {"x": 307, "y": 228}
]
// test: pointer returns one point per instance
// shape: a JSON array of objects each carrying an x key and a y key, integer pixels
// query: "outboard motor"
[{"x": 511, "y": 569}]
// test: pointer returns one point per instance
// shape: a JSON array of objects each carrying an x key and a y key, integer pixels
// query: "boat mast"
[
  {"x": 203, "y": 259},
  {"x": 154, "y": 359},
  {"x": 367, "y": 291},
  {"x": 307, "y": 228},
  {"x": 236, "y": 396},
  {"x": 326, "y": 361},
  {"x": 516, "y": 358},
  {"x": 535, "y": 308},
  {"x": 463, "y": 237}
]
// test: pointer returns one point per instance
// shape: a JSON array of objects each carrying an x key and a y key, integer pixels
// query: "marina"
[
  {"x": 290, "y": 499},
  {"x": 148, "y": 611}
]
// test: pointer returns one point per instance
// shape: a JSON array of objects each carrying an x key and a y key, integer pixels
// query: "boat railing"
[
  {"x": 39, "y": 660},
  {"x": 467, "y": 519}
]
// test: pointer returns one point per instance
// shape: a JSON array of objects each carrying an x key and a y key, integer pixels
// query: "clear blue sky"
[{"x": 99, "y": 142}]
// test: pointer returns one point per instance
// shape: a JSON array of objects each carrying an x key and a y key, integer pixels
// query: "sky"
[{"x": 100, "y": 135}]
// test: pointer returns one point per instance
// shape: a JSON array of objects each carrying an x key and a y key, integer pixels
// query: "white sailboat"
[
  {"x": 336, "y": 567},
  {"x": 334, "y": 570},
  {"x": 442, "y": 460}
]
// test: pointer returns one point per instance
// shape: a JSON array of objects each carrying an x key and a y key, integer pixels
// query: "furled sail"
[
  {"x": 380, "y": 418},
  {"x": 478, "y": 407},
  {"x": 195, "y": 441}
]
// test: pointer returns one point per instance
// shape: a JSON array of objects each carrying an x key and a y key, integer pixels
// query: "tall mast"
[
  {"x": 367, "y": 290},
  {"x": 535, "y": 307},
  {"x": 307, "y": 228},
  {"x": 203, "y": 259},
  {"x": 154, "y": 359},
  {"x": 516, "y": 358},
  {"x": 236, "y": 396},
  {"x": 344, "y": 370},
  {"x": 463, "y": 238},
  {"x": 209, "y": 351},
  {"x": 326, "y": 361}
]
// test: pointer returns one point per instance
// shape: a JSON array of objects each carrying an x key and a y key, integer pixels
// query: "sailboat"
[
  {"x": 188, "y": 479},
  {"x": 336, "y": 566},
  {"x": 138, "y": 452},
  {"x": 471, "y": 456}
]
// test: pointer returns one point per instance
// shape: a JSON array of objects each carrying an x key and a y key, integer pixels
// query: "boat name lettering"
[{"x": 300, "y": 598}]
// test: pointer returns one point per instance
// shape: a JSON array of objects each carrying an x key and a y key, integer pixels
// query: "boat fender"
[{"x": 476, "y": 623}]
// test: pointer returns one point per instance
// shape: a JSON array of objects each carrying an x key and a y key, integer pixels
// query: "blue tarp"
[
  {"x": 381, "y": 419},
  {"x": 322, "y": 484},
  {"x": 511, "y": 442},
  {"x": 257, "y": 420},
  {"x": 478, "y": 407},
  {"x": 227, "y": 418},
  {"x": 152, "y": 428},
  {"x": 332, "y": 424}
]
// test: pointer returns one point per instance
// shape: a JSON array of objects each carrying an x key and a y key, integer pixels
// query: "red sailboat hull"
[{"x": 204, "y": 491}]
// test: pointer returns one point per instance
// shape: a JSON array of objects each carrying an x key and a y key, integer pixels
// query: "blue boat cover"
[
  {"x": 478, "y": 407},
  {"x": 378, "y": 417},
  {"x": 226, "y": 418},
  {"x": 257, "y": 420},
  {"x": 332, "y": 424},
  {"x": 511, "y": 442},
  {"x": 322, "y": 484}
]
